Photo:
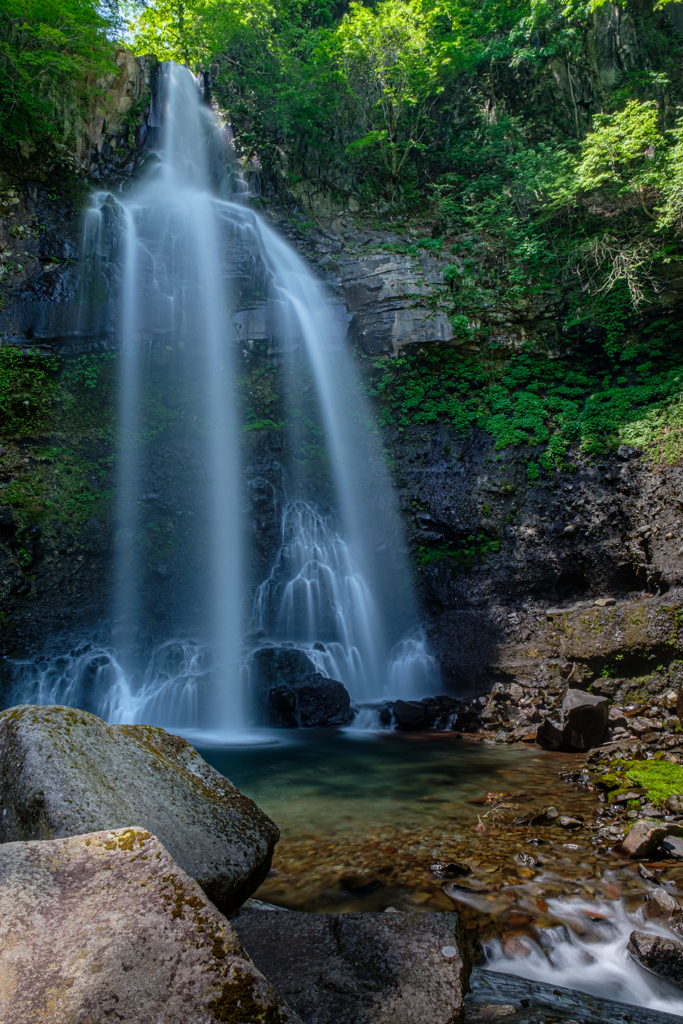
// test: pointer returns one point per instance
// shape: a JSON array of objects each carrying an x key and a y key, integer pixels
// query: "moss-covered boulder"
[
  {"x": 106, "y": 927},
  {"x": 65, "y": 772}
]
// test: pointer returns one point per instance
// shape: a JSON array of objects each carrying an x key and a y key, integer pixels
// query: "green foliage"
[
  {"x": 27, "y": 391},
  {"x": 192, "y": 31},
  {"x": 51, "y": 51},
  {"x": 64, "y": 489},
  {"x": 389, "y": 70},
  {"x": 462, "y": 554}
]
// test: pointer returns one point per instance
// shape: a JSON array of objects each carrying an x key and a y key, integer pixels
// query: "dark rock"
[
  {"x": 581, "y": 723},
  {"x": 547, "y": 817},
  {"x": 390, "y": 968},
  {"x": 289, "y": 692},
  {"x": 65, "y": 772},
  {"x": 661, "y": 905},
  {"x": 106, "y": 926},
  {"x": 673, "y": 847},
  {"x": 443, "y": 869},
  {"x": 550, "y": 733},
  {"x": 659, "y": 955},
  {"x": 410, "y": 714}
]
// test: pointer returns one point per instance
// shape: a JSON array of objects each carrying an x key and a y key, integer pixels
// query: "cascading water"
[
  {"x": 174, "y": 286},
  {"x": 177, "y": 249},
  {"x": 317, "y": 596}
]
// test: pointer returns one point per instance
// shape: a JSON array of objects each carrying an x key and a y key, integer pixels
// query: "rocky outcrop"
[
  {"x": 579, "y": 724},
  {"x": 389, "y": 968},
  {"x": 106, "y": 926},
  {"x": 288, "y": 692},
  {"x": 659, "y": 955},
  {"x": 64, "y": 772}
]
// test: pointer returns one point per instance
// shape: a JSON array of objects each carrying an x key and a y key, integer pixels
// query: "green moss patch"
[{"x": 659, "y": 779}]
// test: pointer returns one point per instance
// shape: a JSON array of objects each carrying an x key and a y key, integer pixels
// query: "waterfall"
[
  {"x": 174, "y": 289},
  {"x": 177, "y": 248},
  {"x": 317, "y": 596}
]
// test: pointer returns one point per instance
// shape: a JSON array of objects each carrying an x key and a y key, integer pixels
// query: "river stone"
[
  {"x": 289, "y": 692},
  {"x": 659, "y": 955},
  {"x": 64, "y": 772},
  {"x": 645, "y": 836},
  {"x": 390, "y": 968},
  {"x": 106, "y": 927},
  {"x": 661, "y": 905}
]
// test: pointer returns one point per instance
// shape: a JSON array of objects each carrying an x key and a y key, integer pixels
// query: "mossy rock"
[{"x": 64, "y": 772}]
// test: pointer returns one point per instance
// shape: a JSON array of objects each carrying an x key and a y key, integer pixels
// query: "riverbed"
[{"x": 422, "y": 821}]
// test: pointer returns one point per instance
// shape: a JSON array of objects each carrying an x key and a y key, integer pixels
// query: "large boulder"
[
  {"x": 64, "y": 772},
  {"x": 579, "y": 724},
  {"x": 389, "y": 968},
  {"x": 106, "y": 927},
  {"x": 289, "y": 692},
  {"x": 659, "y": 955}
]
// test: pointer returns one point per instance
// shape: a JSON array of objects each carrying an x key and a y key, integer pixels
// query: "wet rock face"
[
  {"x": 106, "y": 926},
  {"x": 65, "y": 772},
  {"x": 288, "y": 691},
  {"x": 659, "y": 955},
  {"x": 389, "y": 968}
]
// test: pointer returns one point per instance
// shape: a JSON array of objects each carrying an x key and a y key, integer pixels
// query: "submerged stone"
[
  {"x": 64, "y": 772},
  {"x": 106, "y": 926},
  {"x": 390, "y": 968}
]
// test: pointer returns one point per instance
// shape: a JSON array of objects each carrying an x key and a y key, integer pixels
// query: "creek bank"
[
  {"x": 361, "y": 968},
  {"x": 107, "y": 926},
  {"x": 64, "y": 772}
]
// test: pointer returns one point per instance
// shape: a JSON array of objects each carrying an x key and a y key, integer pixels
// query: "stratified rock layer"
[
  {"x": 106, "y": 927},
  {"x": 389, "y": 968},
  {"x": 65, "y": 772}
]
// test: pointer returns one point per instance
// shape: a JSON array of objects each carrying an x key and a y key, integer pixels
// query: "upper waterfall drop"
[{"x": 340, "y": 584}]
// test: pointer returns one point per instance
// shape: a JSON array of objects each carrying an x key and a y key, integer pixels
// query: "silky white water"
[
  {"x": 588, "y": 953},
  {"x": 180, "y": 240}
]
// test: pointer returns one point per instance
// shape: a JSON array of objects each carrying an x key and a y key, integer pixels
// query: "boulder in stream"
[
  {"x": 645, "y": 835},
  {"x": 659, "y": 955},
  {"x": 390, "y": 968},
  {"x": 64, "y": 772},
  {"x": 106, "y": 927},
  {"x": 579, "y": 724},
  {"x": 289, "y": 692}
]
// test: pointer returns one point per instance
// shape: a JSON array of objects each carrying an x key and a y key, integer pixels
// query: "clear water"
[{"x": 364, "y": 820}]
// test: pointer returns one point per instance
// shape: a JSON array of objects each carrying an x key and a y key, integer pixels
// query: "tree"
[
  {"x": 51, "y": 52},
  {"x": 192, "y": 32},
  {"x": 391, "y": 71}
]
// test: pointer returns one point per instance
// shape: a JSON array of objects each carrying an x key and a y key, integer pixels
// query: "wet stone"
[{"x": 659, "y": 955}]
